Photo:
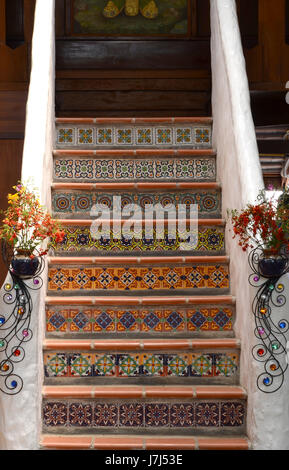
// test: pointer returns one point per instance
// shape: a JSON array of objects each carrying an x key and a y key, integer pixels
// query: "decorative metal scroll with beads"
[
  {"x": 15, "y": 321},
  {"x": 271, "y": 328}
]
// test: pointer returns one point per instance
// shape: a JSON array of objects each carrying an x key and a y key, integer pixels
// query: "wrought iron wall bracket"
[
  {"x": 15, "y": 323},
  {"x": 270, "y": 330}
]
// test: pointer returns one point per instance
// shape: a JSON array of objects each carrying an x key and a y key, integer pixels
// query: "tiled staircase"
[{"x": 139, "y": 350}]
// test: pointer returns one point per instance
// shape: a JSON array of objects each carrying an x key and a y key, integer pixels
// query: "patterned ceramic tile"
[
  {"x": 131, "y": 415},
  {"x": 202, "y": 365},
  {"x": 225, "y": 364},
  {"x": 81, "y": 202},
  {"x": 144, "y": 136},
  {"x": 164, "y": 136},
  {"x": 104, "y": 169},
  {"x": 104, "y": 136},
  {"x": 138, "y": 278},
  {"x": 182, "y": 415},
  {"x": 85, "y": 136},
  {"x": 174, "y": 320},
  {"x": 57, "y": 320},
  {"x": 232, "y": 414},
  {"x": 165, "y": 168},
  {"x": 104, "y": 365},
  {"x": 151, "y": 320},
  {"x": 145, "y": 169},
  {"x": 82, "y": 239},
  {"x": 178, "y": 365},
  {"x": 56, "y": 365},
  {"x": 55, "y": 414},
  {"x": 126, "y": 320},
  {"x": 64, "y": 169},
  {"x": 80, "y": 365},
  {"x": 207, "y": 414},
  {"x": 157, "y": 415},
  {"x": 124, "y": 169},
  {"x": 198, "y": 364},
  {"x": 145, "y": 415},
  {"x": 202, "y": 135},
  {"x": 155, "y": 321},
  {"x": 65, "y": 136},
  {"x": 204, "y": 167},
  {"x": 105, "y": 415},
  {"x": 83, "y": 169},
  {"x": 183, "y": 135},
  {"x": 127, "y": 169},
  {"x": 124, "y": 136},
  {"x": 149, "y": 136},
  {"x": 210, "y": 319},
  {"x": 80, "y": 414}
]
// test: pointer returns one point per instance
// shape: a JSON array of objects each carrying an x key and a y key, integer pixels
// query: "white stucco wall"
[
  {"x": 240, "y": 173},
  {"x": 20, "y": 415}
]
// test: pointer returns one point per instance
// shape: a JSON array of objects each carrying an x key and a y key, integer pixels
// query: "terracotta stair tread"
[
  {"x": 91, "y": 260},
  {"x": 87, "y": 222},
  {"x": 123, "y": 442},
  {"x": 141, "y": 344},
  {"x": 138, "y": 391},
  {"x": 137, "y": 120},
  {"x": 150, "y": 300},
  {"x": 134, "y": 186},
  {"x": 152, "y": 152}
]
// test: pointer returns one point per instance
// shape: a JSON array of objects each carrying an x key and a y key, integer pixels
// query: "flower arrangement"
[
  {"x": 265, "y": 223},
  {"x": 27, "y": 225}
]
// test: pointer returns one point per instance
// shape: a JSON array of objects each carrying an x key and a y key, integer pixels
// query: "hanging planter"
[
  {"x": 272, "y": 264},
  {"x": 24, "y": 265}
]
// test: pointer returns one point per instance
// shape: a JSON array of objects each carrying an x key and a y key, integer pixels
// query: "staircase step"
[
  {"x": 79, "y": 199},
  {"x": 133, "y": 133},
  {"x": 207, "y": 235},
  {"x": 112, "y": 442},
  {"x": 141, "y": 409},
  {"x": 124, "y": 166},
  {"x": 211, "y": 361},
  {"x": 132, "y": 274},
  {"x": 135, "y": 316}
]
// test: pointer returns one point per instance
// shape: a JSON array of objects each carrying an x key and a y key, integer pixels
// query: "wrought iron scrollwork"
[
  {"x": 15, "y": 322},
  {"x": 272, "y": 332}
]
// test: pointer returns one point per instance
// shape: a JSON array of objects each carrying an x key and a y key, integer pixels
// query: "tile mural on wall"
[{"x": 130, "y": 17}]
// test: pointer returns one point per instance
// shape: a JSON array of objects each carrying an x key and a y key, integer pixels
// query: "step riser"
[
  {"x": 131, "y": 136},
  {"x": 153, "y": 321},
  {"x": 216, "y": 367},
  {"x": 128, "y": 170},
  {"x": 90, "y": 416},
  {"x": 79, "y": 240},
  {"x": 80, "y": 203},
  {"x": 207, "y": 278}
]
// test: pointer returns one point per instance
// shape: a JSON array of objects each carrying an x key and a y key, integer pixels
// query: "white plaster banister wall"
[
  {"x": 20, "y": 415},
  {"x": 240, "y": 174}
]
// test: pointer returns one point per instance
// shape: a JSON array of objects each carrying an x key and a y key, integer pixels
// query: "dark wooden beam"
[{"x": 113, "y": 55}]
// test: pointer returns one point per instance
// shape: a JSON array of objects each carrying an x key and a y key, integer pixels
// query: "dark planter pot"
[
  {"x": 25, "y": 267},
  {"x": 272, "y": 267}
]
